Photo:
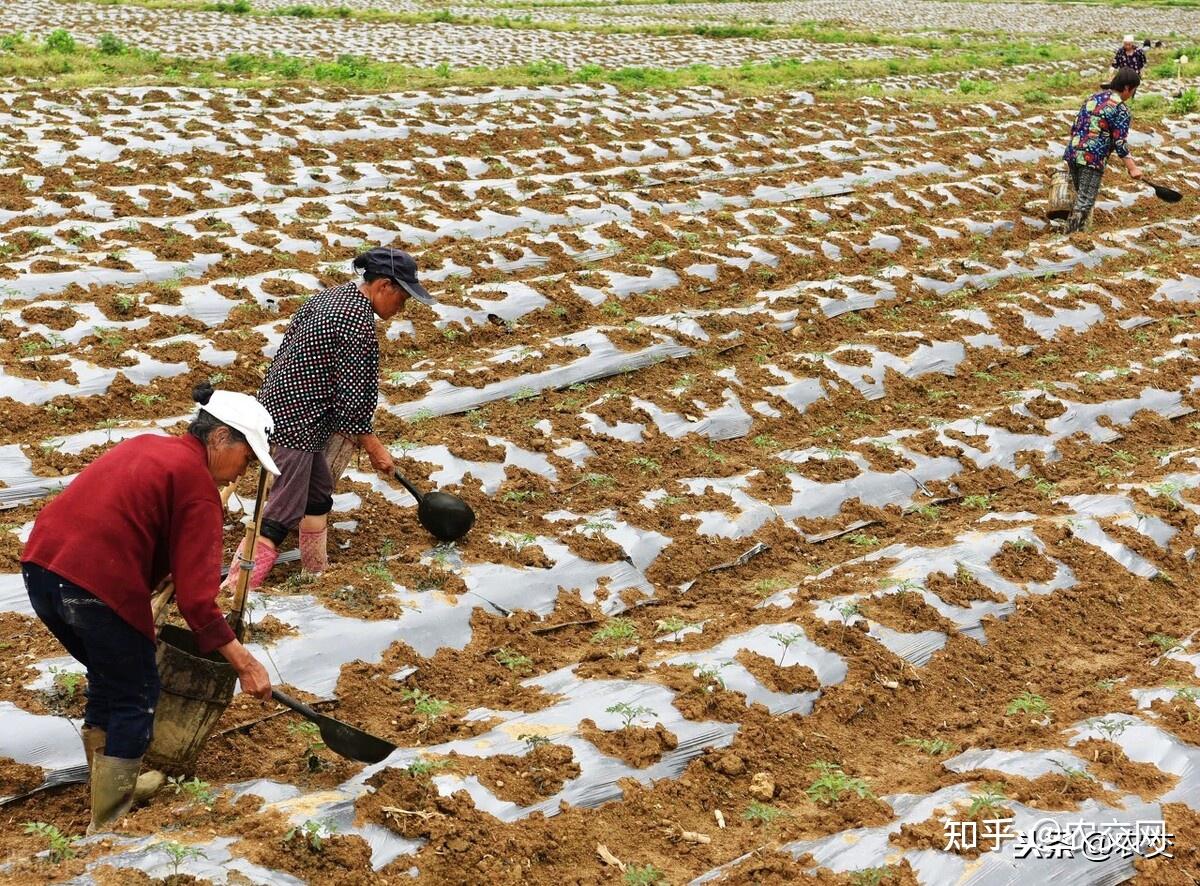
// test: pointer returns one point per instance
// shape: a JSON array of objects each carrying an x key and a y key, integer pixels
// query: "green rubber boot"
[
  {"x": 148, "y": 783},
  {"x": 114, "y": 780}
]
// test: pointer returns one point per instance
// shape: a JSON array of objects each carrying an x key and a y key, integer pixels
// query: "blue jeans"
[{"x": 122, "y": 669}]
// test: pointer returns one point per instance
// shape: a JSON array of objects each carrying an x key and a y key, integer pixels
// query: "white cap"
[
  {"x": 243, "y": 412},
  {"x": 1129, "y": 38}
]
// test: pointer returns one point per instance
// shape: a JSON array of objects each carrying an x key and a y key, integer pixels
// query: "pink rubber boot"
[
  {"x": 314, "y": 553},
  {"x": 264, "y": 558}
]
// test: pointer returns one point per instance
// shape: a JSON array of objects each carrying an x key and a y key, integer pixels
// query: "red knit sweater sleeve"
[{"x": 196, "y": 568}]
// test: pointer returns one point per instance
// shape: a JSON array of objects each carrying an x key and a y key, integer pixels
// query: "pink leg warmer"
[
  {"x": 314, "y": 553},
  {"x": 264, "y": 558}
]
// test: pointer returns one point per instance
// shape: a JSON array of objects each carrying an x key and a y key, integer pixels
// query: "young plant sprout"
[
  {"x": 514, "y": 661},
  {"x": 629, "y": 713},
  {"x": 310, "y": 735},
  {"x": 762, "y": 814},
  {"x": 617, "y": 633},
  {"x": 989, "y": 800},
  {"x": 422, "y": 768},
  {"x": 312, "y": 833},
  {"x": 673, "y": 625},
  {"x": 1165, "y": 643},
  {"x": 934, "y": 747},
  {"x": 1029, "y": 703},
  {"x": 831, "y": 783},
  {"x": 178, "y": 853},
  {"x": 642, "y": 875},
  {"x": 198, "y": 793},
  {"x": 786, "y": 641},
  {"x": 425, "y": 705},
  {"x": 59, "y": 846}
]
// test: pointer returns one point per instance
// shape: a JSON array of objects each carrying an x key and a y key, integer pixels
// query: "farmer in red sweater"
[{"x": 147, "y": 508}]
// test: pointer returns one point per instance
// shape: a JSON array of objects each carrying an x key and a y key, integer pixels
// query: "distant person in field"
[
  {"x": 1100, "y": 129},
  {"x": 1130, "y": 55}
]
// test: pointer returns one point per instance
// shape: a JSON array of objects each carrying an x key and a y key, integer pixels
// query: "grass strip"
[{"x": 61, "y": 62}]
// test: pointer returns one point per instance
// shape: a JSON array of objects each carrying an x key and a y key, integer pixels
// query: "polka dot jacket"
[{"x": 325, "y": 375}]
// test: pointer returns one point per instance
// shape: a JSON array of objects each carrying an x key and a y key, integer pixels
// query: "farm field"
[{"x": 825, "y": 491}]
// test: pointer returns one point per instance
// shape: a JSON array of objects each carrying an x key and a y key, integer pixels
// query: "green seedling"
[
  {"x": 990, "y": 800},
  {"x": 617, "y": 633},
  {"x": 1108, "y": 684},
  {"x": 863, "y": 540},
  {"x": 597, "y": 481},
  {"x": 425, "y": 705},
  {"x": 178, "y": 853},
  {"x": 831, "y": 783},
  {"x": 629, "y": 713},
  {"x": 423, "y": 768},
  {"x": 59, "y": 846},
  {"x": 786, "y": 641},
  {"x": 514, "y": 661},
  {"x": 978, "y": 502},
  {"x": 768, "y": 586},
  {"x": 1166, "y": 643},
  {"x": 379, "y": 571},
  {"x": 646, "y": 465},
  {"x": 929, "y": 512},
  {"x": 848, "y": 611},
  {"x": 1029, "y": 703},
  {"x": 197, "y": 792},
  {"x": 762, "y": 814},
  {"x": 1074, "y": 773},
  {"x": 1184, "y": 693},
  {"x": 673, "y": 625},
  {"x": 709, "y": 676},
  {"x": 124, "y": 303},
  {"x": 142, "y": 399},
  {"x": 592, "y": 528},
  {"x": 521, "y": 495},
  {"x": 1169, "y": 493},
  {"x": 313, "y": 833},
  {"x": 934, "y": 747},
  {"x": 66, "y": 684},
  {"x": 643, "y": 875},
  {"x": 1045, "y": 487},
  {"x": 310, "y": 735},
  {"x": 871, "y": 876},
  {"x": 532, "y": 741}
]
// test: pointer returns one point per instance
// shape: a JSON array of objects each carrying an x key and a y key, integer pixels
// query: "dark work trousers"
[
  {"x": 1086, "y": 182},
  {"x": 122, "y": 671}
]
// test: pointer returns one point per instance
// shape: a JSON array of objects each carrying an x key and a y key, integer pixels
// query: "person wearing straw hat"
[
  {"x": 324, "y": 380},
  {"x": 1129, "y": 55},
  {"x": 1100, "y": 129},
  {"x": 147, "y": 508}
]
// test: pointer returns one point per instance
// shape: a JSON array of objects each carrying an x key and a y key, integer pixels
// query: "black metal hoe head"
[{"x": 447, "y": 517}]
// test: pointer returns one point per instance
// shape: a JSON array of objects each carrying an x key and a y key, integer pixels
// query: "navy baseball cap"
[{"x": 383, "y": 261}]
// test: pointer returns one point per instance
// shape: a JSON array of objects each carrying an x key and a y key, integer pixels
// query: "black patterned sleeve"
[{"x": 356, "y": 379}]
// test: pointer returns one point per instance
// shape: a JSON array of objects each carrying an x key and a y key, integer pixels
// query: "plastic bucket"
[
  {"x": 1062, "y": 197},
  {"x": 196, "y": 690}
]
